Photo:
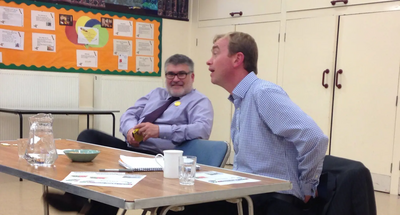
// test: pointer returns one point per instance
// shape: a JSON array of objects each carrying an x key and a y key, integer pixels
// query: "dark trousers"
[
  {"x": 100, "y": 138},
  {"x": 264, "y": 204}
]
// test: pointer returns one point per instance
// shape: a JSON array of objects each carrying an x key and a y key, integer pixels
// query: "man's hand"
[
  {"x": 148, "y": 130},
  {"x": 131, "y": 140},
  {"x": 307, "y": 198}
]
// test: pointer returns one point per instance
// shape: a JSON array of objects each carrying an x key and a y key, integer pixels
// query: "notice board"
[{"x": 49, "y": 37}]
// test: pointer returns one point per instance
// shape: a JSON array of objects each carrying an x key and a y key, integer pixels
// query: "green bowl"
[{"x": 81, "y": 155}]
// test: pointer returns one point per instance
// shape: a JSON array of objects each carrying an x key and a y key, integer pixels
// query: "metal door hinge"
[
  {"x": 197, "y": 41},
  {"x": 391, "y": 166},
  {"x": 284, "y": 40},
  {"x": 397, "y": 99},
  {"x": 279, "y": 37}
]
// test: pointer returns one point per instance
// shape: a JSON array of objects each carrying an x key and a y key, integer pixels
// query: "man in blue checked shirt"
[{"x": 271, "y": 135}]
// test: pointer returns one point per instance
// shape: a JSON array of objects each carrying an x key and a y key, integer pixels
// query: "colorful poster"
[{"x": 82, "y": 40}]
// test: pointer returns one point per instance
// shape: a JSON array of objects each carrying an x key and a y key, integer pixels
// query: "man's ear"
[{"x": 238, "y": 60}]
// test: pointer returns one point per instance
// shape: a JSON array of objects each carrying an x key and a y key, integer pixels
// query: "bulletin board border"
[{"x": 81, "y": 70}]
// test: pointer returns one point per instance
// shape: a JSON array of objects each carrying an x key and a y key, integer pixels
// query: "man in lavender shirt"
[{"x": 189, "y": 117}]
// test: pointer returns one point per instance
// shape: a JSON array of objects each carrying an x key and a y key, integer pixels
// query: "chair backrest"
[
  {"x": 208, "y": 152},
  {"x": 346, "y": 188}
]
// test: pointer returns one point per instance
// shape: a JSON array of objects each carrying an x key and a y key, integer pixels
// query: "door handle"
[
  {"x": 326, "y": 71},
  {"x": 344, "y": 1},
  {"x": 337, "y": 78}
]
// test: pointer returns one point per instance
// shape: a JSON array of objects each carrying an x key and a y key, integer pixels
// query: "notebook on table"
[{"x": 142, "y": 164}]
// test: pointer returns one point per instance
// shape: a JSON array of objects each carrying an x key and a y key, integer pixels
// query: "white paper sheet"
[
  {"x": 123, "y": 28},
  {"x": 105, "y": 179},
  {"x": 88, "y": 36},
  {"x": 123, "y": 47},
  {"x": 44, "y": 42},
  {"x": 42, "y": 20},
  {"x": 85, "y": 58},
  {"x": 144, "y": 47},
  {"x": 12, "y": 39},
  {"x": 220, "y": 178},
  {"x": 144, "y": 30},
  {"x": 1, "y": 57},
  {"x": 144, "y": 64},
  {"x": 12, "y": 16},
  {"x": 123, "y": 62}
]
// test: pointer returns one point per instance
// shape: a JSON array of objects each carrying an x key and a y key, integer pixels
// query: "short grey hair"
[{"x": 177, "y": 59}]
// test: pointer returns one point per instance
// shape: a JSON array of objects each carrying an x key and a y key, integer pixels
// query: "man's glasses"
[{"x": 181, "y": 75}]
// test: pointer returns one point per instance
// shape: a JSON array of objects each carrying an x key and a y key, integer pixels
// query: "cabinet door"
[
  {"x": 266, "y": 36},
  {"x": 217, "y": 95},
  {"x": 293, "y": 5},
  {"x": 309, "y": 51},
  {"x": 217, "y": 9},
  {"x": 364, "y": 113}
]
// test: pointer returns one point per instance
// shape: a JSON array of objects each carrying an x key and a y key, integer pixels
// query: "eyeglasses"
[{"x": 181, "y": 75}]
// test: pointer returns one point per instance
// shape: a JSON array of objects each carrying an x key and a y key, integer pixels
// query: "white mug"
[{"x": 171, "y": 160}]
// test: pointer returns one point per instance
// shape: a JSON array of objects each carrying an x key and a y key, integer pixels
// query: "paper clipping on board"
[
  {"x": 44, "y": 42},
  {"x": 88, "y": 36},
  {"x": 123, "y": 62},
  {"x": 144, "y": 64},
  {"x": 12, "y": 39},
  {"x": 42, "y": 20},
  {"x": 144, "y": 47},
  {"x": 123, "y": 47},
  {"x": 12, "y": 16},
  {"x": 86, "y": 58},
  {"x": 123, "y": 28},
  {"x": 144, "y": 30}
]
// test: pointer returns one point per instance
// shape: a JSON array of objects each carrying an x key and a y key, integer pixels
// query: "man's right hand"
[{"x": 131, "y": 140}]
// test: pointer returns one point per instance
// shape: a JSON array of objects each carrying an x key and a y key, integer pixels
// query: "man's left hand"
[
  {"x": 148, "y": 130},
  {"x": 307, "y": 198}
]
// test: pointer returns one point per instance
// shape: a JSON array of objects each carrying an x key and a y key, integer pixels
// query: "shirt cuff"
[
  {"x": 308, "y": 189},
  {"x": 165, "y": 132}
]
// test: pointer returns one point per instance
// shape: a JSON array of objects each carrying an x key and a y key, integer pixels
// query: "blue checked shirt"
[{"x": 273, "y": 137}]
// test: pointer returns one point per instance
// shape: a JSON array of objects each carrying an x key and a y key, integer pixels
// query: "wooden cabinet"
[
  {"x": 293, "y": 5},
  {"x": 362, "y": 111},
  {"x": 266, "y": 36},
  {"x": 202, "y": 81},
  {"x": 217, "y": 9}
]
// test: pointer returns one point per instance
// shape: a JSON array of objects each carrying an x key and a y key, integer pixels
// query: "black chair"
[{"x": 345, "y": 188}]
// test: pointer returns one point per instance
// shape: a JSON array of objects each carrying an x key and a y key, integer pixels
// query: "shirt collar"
[{"x": 243, "y": 86}]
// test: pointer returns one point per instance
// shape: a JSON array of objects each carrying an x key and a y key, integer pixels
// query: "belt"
[{"x": 288, "y": 198}]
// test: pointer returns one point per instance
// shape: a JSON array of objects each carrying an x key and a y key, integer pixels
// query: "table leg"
[
  {"x": 20, "y": 125},
  {"x": 20, "y": 130},
  {"x": 113, "y": 131},
  {"x": 45, "y": 204},
  {"x": 87, "y": 121}
]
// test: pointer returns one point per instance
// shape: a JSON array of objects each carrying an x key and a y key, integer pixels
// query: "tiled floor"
[{"x": 23, "y": 198}]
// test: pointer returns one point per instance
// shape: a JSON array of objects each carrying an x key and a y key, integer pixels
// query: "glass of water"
[{"x": 187, "y": 170}]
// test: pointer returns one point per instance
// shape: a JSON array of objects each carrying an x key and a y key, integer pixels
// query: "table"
[
  {"x": 151, "y": 192},
  {"x": 86, "y": 112}
]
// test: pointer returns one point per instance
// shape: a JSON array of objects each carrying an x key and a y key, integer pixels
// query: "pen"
[{"x": 116, "y": 170}]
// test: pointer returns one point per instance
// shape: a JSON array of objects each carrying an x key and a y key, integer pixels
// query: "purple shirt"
[{"x": 191, "y": 119}]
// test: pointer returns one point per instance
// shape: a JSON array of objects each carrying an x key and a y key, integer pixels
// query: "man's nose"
[{"x": 209, "y": 62}]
